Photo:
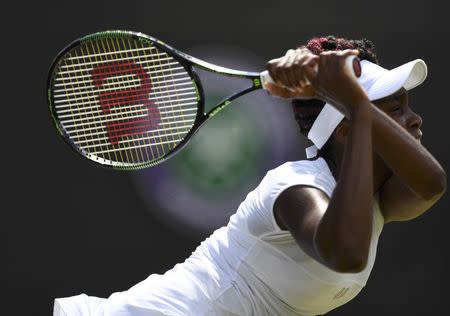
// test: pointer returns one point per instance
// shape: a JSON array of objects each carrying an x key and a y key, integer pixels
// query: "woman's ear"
[{"x": 341, "y": 131}]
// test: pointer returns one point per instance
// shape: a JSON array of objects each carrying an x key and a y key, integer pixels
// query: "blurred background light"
[{"x": 197, "y": 190}]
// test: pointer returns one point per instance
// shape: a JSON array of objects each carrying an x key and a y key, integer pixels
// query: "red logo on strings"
[{"x": 126, "y": 97}]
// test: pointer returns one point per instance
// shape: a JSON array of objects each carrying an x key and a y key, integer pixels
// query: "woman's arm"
[
  {"x": 335, "y": 232},
  {"x": 399, "y": 203},
  {"x": 418, "y": 180},
  {"x": 344, "y": 232}
]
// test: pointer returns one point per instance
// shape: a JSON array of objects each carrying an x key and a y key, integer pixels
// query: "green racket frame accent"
[{"x": 187, "y": 61}]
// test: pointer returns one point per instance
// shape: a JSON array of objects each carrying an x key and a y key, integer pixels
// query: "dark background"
[{"x": 68, "y": 227}]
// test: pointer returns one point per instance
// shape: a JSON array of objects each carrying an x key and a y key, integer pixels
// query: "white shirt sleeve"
[
  {"x": 77, "y": 305},
  {"x": 304, "y": 172},
  {"x": 57, "y": 309}
]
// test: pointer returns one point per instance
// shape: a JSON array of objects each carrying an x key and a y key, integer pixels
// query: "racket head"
[{"x": 123, "y": 99}]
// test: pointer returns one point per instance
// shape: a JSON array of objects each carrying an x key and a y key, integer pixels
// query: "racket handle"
[
  {"x": 266, "y": 79},
  {"x": 352, "y": 63}
]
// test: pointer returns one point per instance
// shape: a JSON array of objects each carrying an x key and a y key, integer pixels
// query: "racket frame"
[{"x": 187, "y": 61}]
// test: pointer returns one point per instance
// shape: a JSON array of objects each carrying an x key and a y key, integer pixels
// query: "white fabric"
[
  {"x": 311, "y": 151},
  {"x": 378, "y": 82},
  {"x": 249, "y": 267},
  {"x": 324, "y": 125}
]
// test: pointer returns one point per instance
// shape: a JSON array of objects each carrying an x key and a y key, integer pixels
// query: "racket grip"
[
  {"x": 352, "y": 63},
  {"x": 266, "y": 79}
]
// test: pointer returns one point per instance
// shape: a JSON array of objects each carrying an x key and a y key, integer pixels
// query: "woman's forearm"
[
  {"x": 343, "y": 235},
  {"x": 406, "y": 157}
]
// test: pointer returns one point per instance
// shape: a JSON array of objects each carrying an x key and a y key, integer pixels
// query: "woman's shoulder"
[
  {"x": 299, "y": 167},
  {"x": 312, "y": 172}
]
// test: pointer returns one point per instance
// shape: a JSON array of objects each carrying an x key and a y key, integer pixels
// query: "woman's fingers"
[
  {"x": 300, "y": 93},
  {"x": 300, "y": 73},
  {"x": 308, "y": 71},
  {"x": 293, "y": 71},
  {"x": 279, "y": 91}
]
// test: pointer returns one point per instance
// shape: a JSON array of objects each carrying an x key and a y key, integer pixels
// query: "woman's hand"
[
  {"x": 292, "y": 72},
  {"x": 301, "y": 74}
]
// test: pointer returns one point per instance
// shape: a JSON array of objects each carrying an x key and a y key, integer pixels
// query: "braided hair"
[{"x": 306, "y": 111}]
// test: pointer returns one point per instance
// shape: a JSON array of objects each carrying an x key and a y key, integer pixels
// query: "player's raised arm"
[
  {"x": 418, "y": 180},
  {"x": 335, "y": 232}
]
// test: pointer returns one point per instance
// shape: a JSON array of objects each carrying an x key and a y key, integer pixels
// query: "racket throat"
[{"x": 227, "y": 101}]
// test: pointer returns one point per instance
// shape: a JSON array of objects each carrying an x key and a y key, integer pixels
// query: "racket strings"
[
  {"x": 103, "y": 72},
  {"x": 123, "y": 101}
]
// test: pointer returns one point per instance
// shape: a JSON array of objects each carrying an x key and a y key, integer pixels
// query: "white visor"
[{"x": 378, "y": 83}]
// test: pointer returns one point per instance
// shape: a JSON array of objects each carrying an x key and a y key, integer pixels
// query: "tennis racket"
[{"x": 126, "y": 100}]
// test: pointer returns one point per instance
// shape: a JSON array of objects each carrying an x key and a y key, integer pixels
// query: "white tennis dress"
[{"x": 249, "y": 267}]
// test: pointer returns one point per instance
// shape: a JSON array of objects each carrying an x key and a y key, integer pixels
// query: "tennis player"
[{"x": 304, "y": 241}]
